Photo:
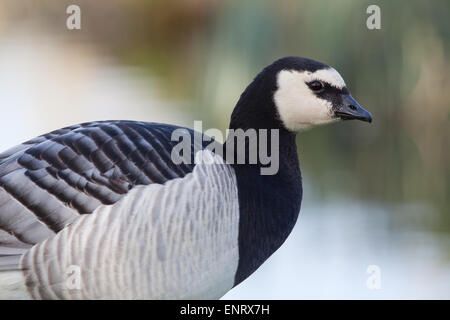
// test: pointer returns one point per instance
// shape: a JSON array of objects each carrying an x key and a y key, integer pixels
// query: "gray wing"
[
  {"x": 48, "y": 182},
  {"x": 173, "y": 241}
]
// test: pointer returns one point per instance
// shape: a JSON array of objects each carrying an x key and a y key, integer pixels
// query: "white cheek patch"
[
  {"x": 298, "y": 107},
  {"x": 330, "y": 76}
]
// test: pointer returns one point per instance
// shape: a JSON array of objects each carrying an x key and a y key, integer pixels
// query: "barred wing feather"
[{"x": 46, "y": 183}]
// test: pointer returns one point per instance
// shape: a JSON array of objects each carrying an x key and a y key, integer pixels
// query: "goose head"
[
  {"x": 295, "y": 94},
  {"x": 311, "y": 93}
]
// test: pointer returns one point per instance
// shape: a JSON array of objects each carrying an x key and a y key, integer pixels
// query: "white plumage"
[
  {"x": 171, "y": 241},
  {"x": 298, "y": 107}
]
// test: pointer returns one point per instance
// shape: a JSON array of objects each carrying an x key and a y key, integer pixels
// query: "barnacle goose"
[{"x": 104, "y": 200}]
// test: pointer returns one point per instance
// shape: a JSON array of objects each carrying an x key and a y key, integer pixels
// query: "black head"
[{"x": 295, "y": 93}]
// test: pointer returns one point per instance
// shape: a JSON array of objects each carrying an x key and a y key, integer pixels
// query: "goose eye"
[{"x": 316, "y": 85}]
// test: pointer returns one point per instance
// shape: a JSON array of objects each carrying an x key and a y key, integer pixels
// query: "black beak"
[{"x": 350, "y": 109}]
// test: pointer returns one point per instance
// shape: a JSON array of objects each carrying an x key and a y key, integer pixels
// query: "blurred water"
[{"x": 333, "y": 243}]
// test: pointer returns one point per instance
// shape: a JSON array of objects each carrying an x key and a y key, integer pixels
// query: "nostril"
[{"x": 352, "y": 107}]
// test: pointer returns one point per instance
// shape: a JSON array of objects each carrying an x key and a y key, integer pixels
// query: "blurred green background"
[{"x": 197, "y": 56}]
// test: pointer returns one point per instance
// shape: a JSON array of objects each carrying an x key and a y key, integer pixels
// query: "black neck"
[{"x": 269, "y": 204}]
